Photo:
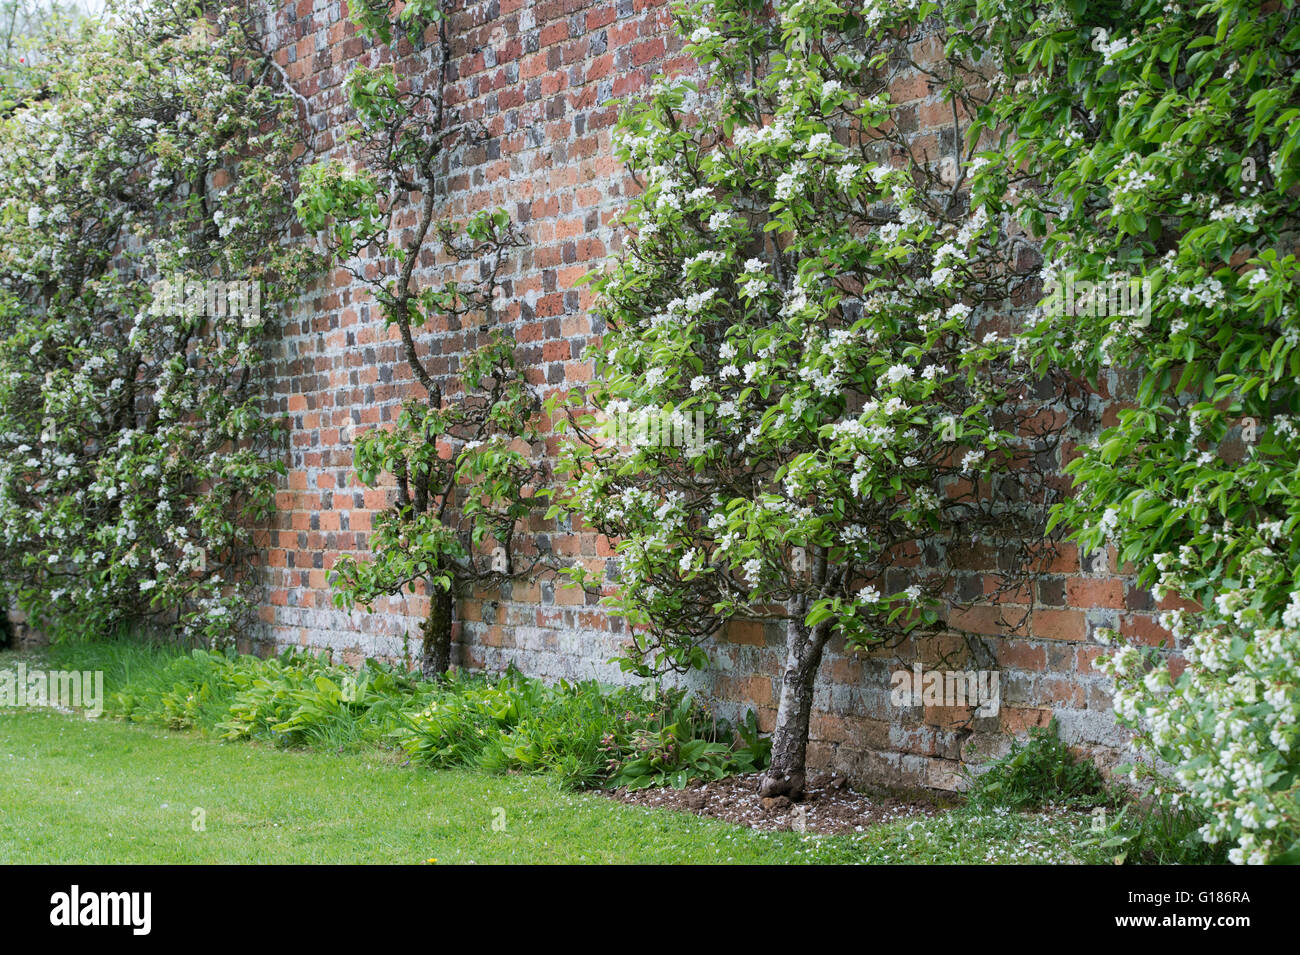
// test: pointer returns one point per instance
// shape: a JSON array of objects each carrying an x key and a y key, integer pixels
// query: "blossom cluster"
[
  {"x": 133, "y": 439},
  {"x": 1229, "y": 725}
]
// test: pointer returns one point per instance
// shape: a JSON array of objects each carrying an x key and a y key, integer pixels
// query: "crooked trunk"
[
  {"x": 786, "y": 773},
  {"x": 435, "y": 650}
]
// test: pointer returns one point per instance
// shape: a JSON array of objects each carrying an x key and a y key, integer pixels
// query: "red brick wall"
[{"x": 537, "y": 75}]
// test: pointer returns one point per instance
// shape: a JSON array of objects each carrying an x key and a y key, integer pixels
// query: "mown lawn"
[
  {"x": 81, "y": 791},
  {"x": 103, "y": 792},
  {"x": 76, "y": 790}
]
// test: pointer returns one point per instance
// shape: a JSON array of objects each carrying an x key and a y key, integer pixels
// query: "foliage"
[
  {"x": 1158, "y": 141},
  {"x": 678, "y": 752},
  {"x": 189, "y": 691},
  {"x": 462, "y": 453},
  {"x": 301, "y": 700},
  {"x": 1228, "y": 723},
  {"x": 583, "y": 733},
  {"x": 134, "y": 449},
  {"x": 1164, "y": 829},
  {"x": 297, "y": 698},
  {"x": 462, "y": 501},
  {"x": 670, "y": 754},
  {"x": 1040, "y": 772}
]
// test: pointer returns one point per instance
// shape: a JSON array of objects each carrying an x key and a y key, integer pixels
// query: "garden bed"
[{"x": 829, "y": 806}]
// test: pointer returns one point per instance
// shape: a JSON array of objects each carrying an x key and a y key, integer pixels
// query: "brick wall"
[{"x": 537, "y": 76}]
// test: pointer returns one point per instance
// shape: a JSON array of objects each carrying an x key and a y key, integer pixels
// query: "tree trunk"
[
  {"x": 435, "y": 651},
  {"x": 785, "y": 774}
]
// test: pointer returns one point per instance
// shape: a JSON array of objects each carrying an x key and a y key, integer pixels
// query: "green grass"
[
  {"x": 81, "y": 791},
  {"x": 102, "y": 791},
  {"x": 96, "y": 792}
]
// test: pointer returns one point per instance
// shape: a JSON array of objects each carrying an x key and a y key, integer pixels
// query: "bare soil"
[{"x": 829, "y": 806}]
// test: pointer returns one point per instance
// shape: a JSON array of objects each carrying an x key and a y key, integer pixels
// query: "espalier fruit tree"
[
  {"x": 463, "y": 453},
  {"x": 808, "y": 277}
]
